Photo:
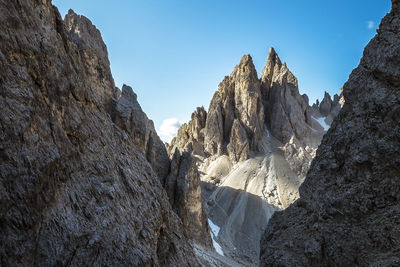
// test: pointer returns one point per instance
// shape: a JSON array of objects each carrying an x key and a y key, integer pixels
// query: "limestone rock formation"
[
  {"x": 328, "y": 109},
  {"x": 190, "y": 137},
  {"x": 349, "y": 209},
  {"x": 74, "y": 189},
  {"x": 285, "y": 108},
  {"x": 128, "y": 115},
  {"x": 94, "y": 55},
  {"x": 326, "y": 105},
  {"x": 184, "y": 191},
  {"x": 126, "y": 112},
  {"x": 238, "y": 98},
  {"x": 254, "y": 147},
  {"x": 179, "y": 177}
]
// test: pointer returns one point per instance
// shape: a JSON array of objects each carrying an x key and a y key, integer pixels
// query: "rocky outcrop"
[
  {"x": 329, "y": 108},
  {"x": 234, "y": 124},
  {"x": 126, "y": 112},
  {"x": 238, "y": 98},
  {"x": 285, "y": 108},
  {"x": 128, "y": 115},
  {"x": 190, "y": 136},
  {"x": 254, "y": 147},
  {"x": 184, "y": 191},
  {"x": 93, "y": 54},
  {"x": 326, "y": 104},
  {"x": 238, "y": 148},
  {"x": 74, "y": 188},
  {"x": 242, "y": 107},
  {"x": 349, "y": 209}
]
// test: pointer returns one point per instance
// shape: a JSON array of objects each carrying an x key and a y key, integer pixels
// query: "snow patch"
[
  {"x": 214, "y": 228},
  {"x": 214, "y": 234},
  {"x": 266, "y": 130},
  {"x": 322, "y": 122}
]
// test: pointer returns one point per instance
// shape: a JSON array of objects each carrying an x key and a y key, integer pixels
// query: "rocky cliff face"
[
  {"x": 191, "y": 135},
  {"x": 285, "y": 109},
  {"x": 237, "y": 106},
  {"x": 184, "y": 191},
  {"x": 179, "y": 177},
  {"x": 348, "y": 213},
  {"x": 74, "y": 188},
  {"x": 128, "y": 115},
  {"x": 254, "y": 147}
]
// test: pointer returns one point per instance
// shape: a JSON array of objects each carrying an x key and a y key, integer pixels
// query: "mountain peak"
[
  {"x": 92, "y": 48},
  {"x": 273, "y": 57},
  {"x": 71, "y": 12},
  {"x": 275, "y": 70},
  {"x": 271, "y": 50},
  {"x": 85, "y": 35},
  {"x": 246, "y": 59},
  {"x": 245, "y": 69}
]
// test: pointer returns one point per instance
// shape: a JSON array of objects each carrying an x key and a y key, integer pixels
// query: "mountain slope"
[
  {"x": 254, "y": 147},
  {"x": 74, "y": 188},
  {"x": 349, "y": 209}
]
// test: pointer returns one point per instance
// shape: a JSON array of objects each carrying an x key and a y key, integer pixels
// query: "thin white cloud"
[
  {"x": 168, "y": 129},
  {"x": 371, "y": 24}
]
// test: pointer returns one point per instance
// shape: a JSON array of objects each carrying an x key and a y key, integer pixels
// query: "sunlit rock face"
[
  {"x": 349, "y": 209},
  {"x": 254, "y": 147},
  {"x": 286, "y": 113},
  {"x": 236, "y": 105},
  {"x": 75, "y": 189},
  {"x": 191, "y": 134}
]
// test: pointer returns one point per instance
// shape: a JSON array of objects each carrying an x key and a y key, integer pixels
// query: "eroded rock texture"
[
  {"x": 329, "y": 108},
  {"x": 191, "y": 135},
  {"x": 254, "y": 147},
  {"x": 237, "y": 98},
  {"x": 349, "y": 210},
  {"x": 74, "y": 188},
  {"x": 129, "y": 116},
  {"x": 285, "y": 108},
  {"x": 184, "y": 191}
]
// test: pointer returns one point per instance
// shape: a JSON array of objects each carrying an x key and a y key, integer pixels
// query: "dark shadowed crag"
[
  {"x": 74, "y": 188},
  {"x": 348, "y": 213}
]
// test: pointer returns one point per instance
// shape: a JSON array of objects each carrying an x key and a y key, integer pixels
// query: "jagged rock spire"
[
  {"x": 238, "y": 97},
  {"x": 263, "y": 125},
  {"x": 276, "y": 71},
  {"x": 272, "y": 66},
  {"x": 328, "y": 108},
  {"x": 190, "y": 136},
  {"x": 326, "y": 104},
  {"x": 273, "y": 100},
  {"x": 286, "y": 111}
]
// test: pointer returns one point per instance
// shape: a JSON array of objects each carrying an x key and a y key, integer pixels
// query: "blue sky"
[{"x": 174, "y": 53}]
